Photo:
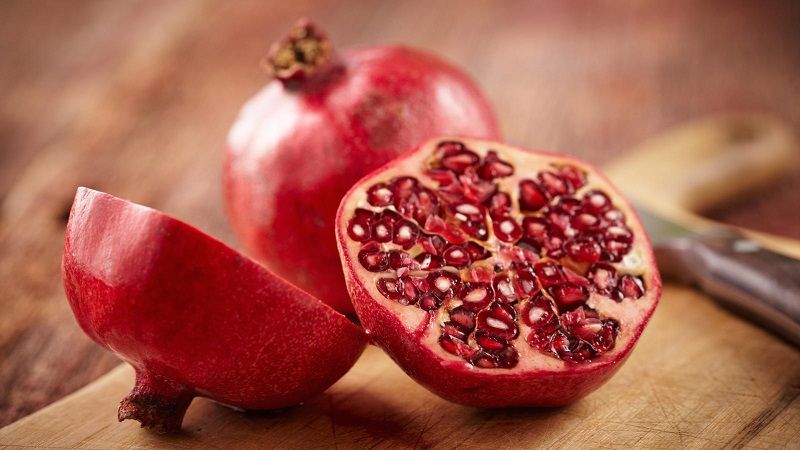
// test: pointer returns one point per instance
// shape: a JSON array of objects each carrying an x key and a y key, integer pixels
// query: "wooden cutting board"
[{"x": 700, "y": 376}]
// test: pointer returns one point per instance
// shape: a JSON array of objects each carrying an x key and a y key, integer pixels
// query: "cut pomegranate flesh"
[
  {"x": 532, "y": 262},
  {"x": 194, "y": 317}
]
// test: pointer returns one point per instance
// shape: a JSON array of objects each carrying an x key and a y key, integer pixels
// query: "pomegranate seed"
[
  {"x": 476, "y": 251},
  {"x": 455, "y": 346},
  {"x": 505, "y": 359},
  {"x": 507, "y": 230},
  {"x": 619, "y": 232},
  {"x": 456, "y": 256},
  {"x": 569, "y": 295},
  {"x": 476, "y": 296},
  {"x": 463, "y": 318},
  {"x": 480, "y": 274},
  {"x": 467, "y": 212},
  {"x": 539, "y": 312},
  {"x": 631, "y": 287},
  {"x": 603, "y": 278},
  {"x": 596, "y": 202},
  {"x": 585, "y": 222},
  {"x": 575, "y": 177},
  {"x": 373, "y": 259},
  {"x": 406, "y": 234},
  {"x": 398, "y": 259},
  {"x": 442, "y": 177},
  {"x": 554, "y": 185},
  {"x": 549, "y": 274},
  {"x": 380, "y": 195},
  {"x": 360, "y": 225},
  {"x": 427, "y": 204},
  {"x": 498, "y": 320},
  {"x": 493, "y": 167},
  {"x": 531, "y": 197},
  {"x": 568, "y": 206},
  {"x": 570, "y": 349},
  {"x": 453, "y": 234},
  {"x": 428, "y": 261},
  {"x": 490, "y": 343},
  {"x": 382, "y": 230},
  {"x": 443, "y": 283},
  {"x": 614, "y": 215},
  {"x": 499, "y": 206},
  {"x": 433, "y": 244},
  {"x": 458, "y": 162},
  {"x": 391, "y": 288},
  {"x": 614, "y": 250},
  {"x": 583, "y": 250},
  {"x": 404, "y": 184},
  {"x": 504, "y": 289},
  {"x": 429, "y": 302},
  {"x": 476, "y": 229},
  {"x": 526, "y": 284},
  {"x": 448, "y": 148}
]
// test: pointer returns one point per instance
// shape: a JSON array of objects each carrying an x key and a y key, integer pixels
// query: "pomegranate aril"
[
  {"x": 570, "y": 348},
  {"x": 443, "y": 283},
  {"x": 584, "y": 222},
  {"x": 467, "y": 212},
  {"x": 568, "y": 206},
  {"x": 448, "y": 148},
  {"x": 477, "y": 230},
  {"x": 499, "y": 206},
  {"x": 507, "y": 230},
  {"x": 531, "y": 197},
  {"x": 476, "y": 251},
  {"x": 380, "y": 195},
  {"x": 456, "y": 346},
  {"x": 498, "y": 320},
  {"x": 614, "y": 250},
  {"x": 603, "y": 277},
  {"x": 575, "y": 177},
  {"x": 429, "y": 302},
  {"x": 480, "y": 274},
  {"x": 381, "y": 230},
  {"x": 493, "y": 167},
  {"x": 464, "y": 318},
  {"x": 398, "y": 259},
  {"x": 442, "y": 176},
  {"x": 618, "y": 232},
  {"x": 456, "y": 256},
  {"x": 539, "y": 313},
  {"x": 373, "y": 259},
  {"x": 391, "y": 288},
  {"x": 569, "y": 295},
  {"x": 476, "y": 296},
  {"x": 553, "y": 185},
  {"x": 505, "y": 359},
  {"x": 428, "y": 261},
  {"x": 433, "y": 244},
  {"x": 596, "y": 202},
  {"x": 490, "y": 343},
  {"x": 406, "y": 234},
  {"x": 614, "y": 215},
  {"x": 631, "y": 287},
  {"x": 549, "y": 274},
  {"x": 458, "y": 162},
  {"x": 583, "y": 250},
  {"x": 526, "y": 284},
  {"x": 504, "y": 289},
  {"x": 427, "y": 204}
]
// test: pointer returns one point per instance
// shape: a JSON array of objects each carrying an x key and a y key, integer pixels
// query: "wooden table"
[{"x": 136, "y": 98}]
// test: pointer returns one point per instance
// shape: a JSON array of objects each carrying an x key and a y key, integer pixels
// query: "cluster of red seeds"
[{"x": 434, "y": 242}]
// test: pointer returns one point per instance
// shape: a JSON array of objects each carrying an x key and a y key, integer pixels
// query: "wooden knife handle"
[{"x": 742, "y": 275}]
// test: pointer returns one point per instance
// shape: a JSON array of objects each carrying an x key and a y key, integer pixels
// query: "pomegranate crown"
[{"x": 303, "y": 54}]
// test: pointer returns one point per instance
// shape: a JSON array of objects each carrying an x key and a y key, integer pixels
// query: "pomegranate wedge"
[
  {"x": 496, "y": 276},
  {"x": 194, "y": 317}
]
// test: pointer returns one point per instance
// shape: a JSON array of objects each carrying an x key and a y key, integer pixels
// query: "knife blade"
[{"x": 760, "y": 285}]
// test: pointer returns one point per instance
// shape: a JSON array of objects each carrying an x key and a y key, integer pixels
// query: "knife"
[{"x": 760, "y": 285}]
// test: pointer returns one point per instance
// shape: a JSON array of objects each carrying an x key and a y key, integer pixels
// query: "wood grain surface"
[{"x": 135, "y": 98}]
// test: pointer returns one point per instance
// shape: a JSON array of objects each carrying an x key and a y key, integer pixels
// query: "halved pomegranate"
[
  {"x": 496, "y": 276},
  {"x": 194, "y": 317}
]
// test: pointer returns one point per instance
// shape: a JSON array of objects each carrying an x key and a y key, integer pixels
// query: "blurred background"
[{"x": 135, "y": 98}]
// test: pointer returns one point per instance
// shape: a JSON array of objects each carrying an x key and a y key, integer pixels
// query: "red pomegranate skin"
[
  {"x": 194, "y": 317},
  {"x": 298, "y": 146},
  {"x": 451, "y": 378}
]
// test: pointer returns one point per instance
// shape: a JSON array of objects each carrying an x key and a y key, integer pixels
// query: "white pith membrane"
[{"x": 589, "y": 327}]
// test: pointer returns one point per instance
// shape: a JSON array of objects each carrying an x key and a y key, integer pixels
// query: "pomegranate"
[
  {"x": 323, "y": 122},
  {"x": 194, "y": 317},
  {"x": 495, "y": 276}
]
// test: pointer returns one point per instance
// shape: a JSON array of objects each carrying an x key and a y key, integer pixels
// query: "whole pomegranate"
[
  {"x": 193, "y": 317},
  {"x": 495, "y": 276},
  {"x": 326, "y": 120}
]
